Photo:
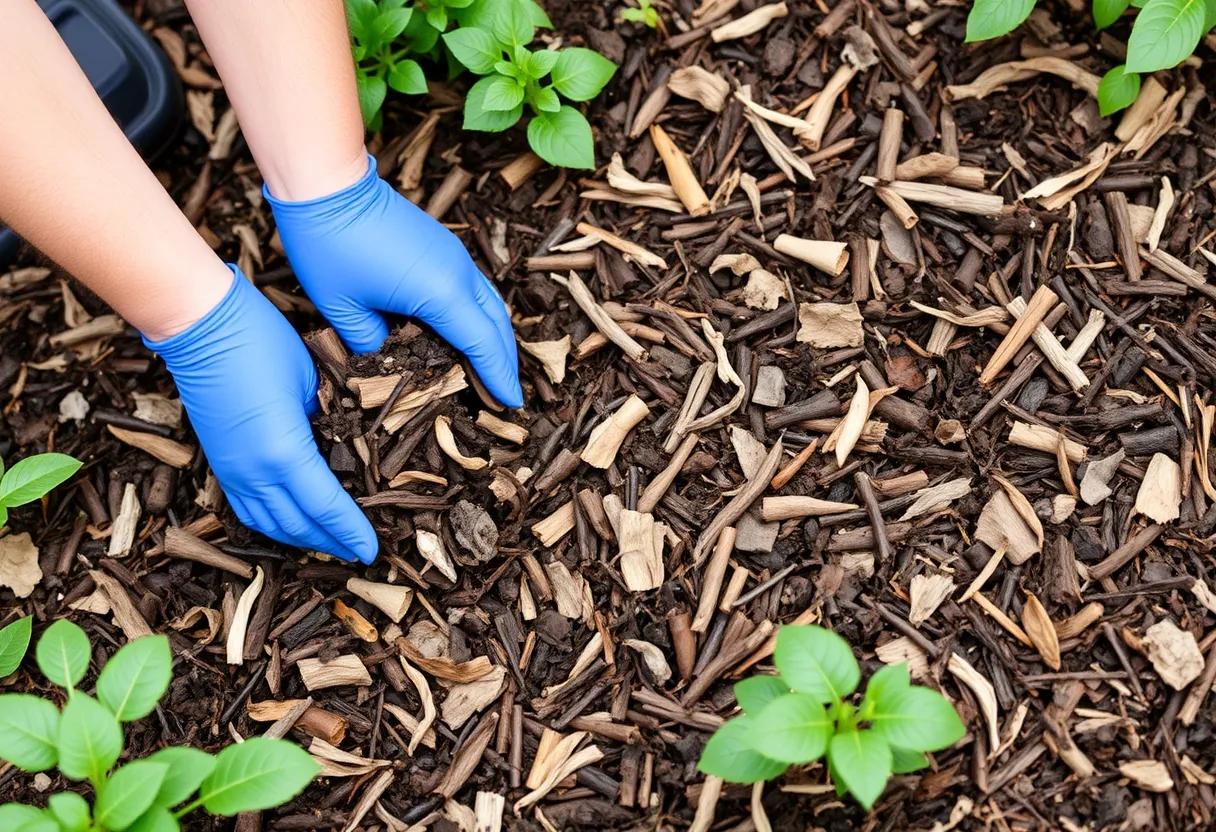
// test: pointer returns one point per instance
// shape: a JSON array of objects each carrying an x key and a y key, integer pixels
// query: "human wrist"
[
  {"x": 178, "y": 333},
  {"x": 164, "y": 312},
  {"x": 310, "y": 179}
]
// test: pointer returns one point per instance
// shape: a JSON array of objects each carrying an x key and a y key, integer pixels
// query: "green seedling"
[
  {"x": 14, "y": 642},
  {"x": 1164, "y": 34},
  {"x": 32, "y": 479},
  {"x": 490, "y": 38},
  {"x": 645, "y": 14},
  {"x": 83, "y": 739},
  {"x": 809, "y": 711}
]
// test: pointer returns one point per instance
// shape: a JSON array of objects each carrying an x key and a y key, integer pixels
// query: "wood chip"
[
  {"x": 465, "y": 700},
  {"x": 235, "y": 648},
  {"x": 641, "y": 550},
  {"x": 1174, "y": 653},
  {"x": 1095, "y": 485},
  {"x": 347, "y": 669},
  {"x": 1041, "y": 630},
  {"x": 391, "y": 599},
  {"x": 706, "y": 88},
  {"x": 985, "y": 694},
  {"x": 608, "y": 436},
  {"x": 1160, "y": 495},
  {"x": 827, "y": 325},
  {"x": 19, "y": 569},
  {"x": 157, "y": 447},
  {"x": 926, "y": 593},
  {"x": 447, "y": 443},
  {"x": 1149, "y": 775},
  {"x": 749, "y": 23},
  {"x": 551, "y": 355}
]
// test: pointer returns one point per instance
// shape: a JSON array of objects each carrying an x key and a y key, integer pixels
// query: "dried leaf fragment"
[
  {"x": 1041, "y": 630},
  {"x": 927, "y": 593},
  {"x": 465, "y": 700},
  {"x": 19, "y": 569},
  {"x": 1174, "y": 653},
  {"x": 764, "y": 290},
  {"x": 551, "y": 355}
]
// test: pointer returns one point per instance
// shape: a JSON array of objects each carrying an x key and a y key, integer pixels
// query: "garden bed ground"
[{"x": 515, "y": 630}]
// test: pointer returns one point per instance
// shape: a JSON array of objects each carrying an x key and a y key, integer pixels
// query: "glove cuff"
[
  {"x": 179, "y": 347},
  {"x": 341, "y": 200}
]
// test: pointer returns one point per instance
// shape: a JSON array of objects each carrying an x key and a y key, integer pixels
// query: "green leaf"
[
  {"x": 70, "y": 810},
  {"x": 136, "y": 677},
  {"x": 756, "y": 693},
  {"x": 13, "y": 815},
  {"x": 816, "y": 661},
  {"x": 729, "y": 756},
  {"x": 1209, "y": 17},
  {"x": 3, "y": 516},
  {"x": 407, "y": 77},
  {"x": 541, "y": 63},
  {"x": 536, "y": 14},
  {"x": 437, "y": 17},
  {"x": 884, "y": 686},
  {"x": 360, "y": 15},
  {"x": 29, "y": 732},
  {"x": 372, "y": 90},
  {"x": 563, "y": 139},
  {"x": 502, "y": 94},
  {"x": 1107, "y": 12},
  {"x": 477, "y": 117},
  {"x": 63, "y": 653},
  {"x": 475, "y": 48},
  {"x": 34, "y": 477},
  {"x": 862, "y": 762},
  {"x": 1165, "y": 33},
  {"x": 545, "y": 100},
  {"x": 904, "y": 761},
  {"x": 128, "y": 794},
  {"x": 391, "y": 23},
  {"x": 509, "y": 70},
  {"x": 993, "y": 18},
  {"x": 257, "y": 774},
  {"x": 185, "y": 770},
  {"x": 512, "y": 24},
  {"x": 90, "y": 739},
  {"x": 156, "y": 819},
  {"x": 793, "y": 728},
  {"x": 43, "y": 823},
  {"x": 918, "y": 719},
  {"x": 14, "y": 642},
  {"x": 1117, "y": 90},
  {"x": 580, "y": 74}
]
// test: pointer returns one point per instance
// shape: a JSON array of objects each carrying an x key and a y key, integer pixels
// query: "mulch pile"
[{"x": 862, "y": 327}]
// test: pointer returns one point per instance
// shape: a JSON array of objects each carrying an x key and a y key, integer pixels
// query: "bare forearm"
[
  {"x": 73, "y": 186},
  {"x": 287, "y": 69}
]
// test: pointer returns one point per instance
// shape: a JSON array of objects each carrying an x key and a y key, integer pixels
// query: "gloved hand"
[
  {"x": 367, "y": 250},
  {"x": 248, "y": 383}
]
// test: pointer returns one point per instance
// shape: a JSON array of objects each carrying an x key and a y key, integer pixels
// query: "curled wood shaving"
[
  {"x": 191, "y": 618},
  {"x": 854, "y": 422},
  {"x": 821, "y": 110},
  {"x": 1056, "y": 192},
  {"x": 235, "y": 648},
  {"x": 784, "y": 157},
  {"x": 798, "y": 125},
  {"x": 937, "y": 497},
  {"x": 985, "y": 694},
  {"x": 347, "y": 669},
  {"x": 759, "y": 817},
  {"x": 1041, "y": 630},
  {"x": 750, "y": 23},
  {"x": 826, "y": 255},
  {"x": 706, "y": 88},
  {"x": 1160, "y": 494},
  {"x": 655, "y": 661},
  {"x": 620, "y": 178},
  {"x": 338, "y": 763},
  {"x": 943, "y": 196},
  {"x": 603, "y": 322},
  {"x": 630, "y": 249},
  {"x": 998, "y": 77},
  {"x": 658, "y": 203},
  {"x": 726, "y": 374},
  {"x": 447, "y": 443},
  {"x": 764, "y": 290},
  {"x": 984, "y": 317},
  {"x": 1164, "y": 203},
  {"x": 430, "y": 546},
  {"x": 739, "y": 264},
  {"x": 551, "y": 355},
  {"x": 904, "y": 650},
  {"x": 565, "y": 762}
]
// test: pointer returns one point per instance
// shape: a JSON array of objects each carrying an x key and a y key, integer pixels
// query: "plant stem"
[{"x": 188, "y": 808}]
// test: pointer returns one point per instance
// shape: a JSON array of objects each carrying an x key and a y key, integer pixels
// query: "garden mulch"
[{"x": 1013, "y": 403}]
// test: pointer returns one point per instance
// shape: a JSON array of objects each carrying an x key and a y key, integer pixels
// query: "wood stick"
[
  {"x": 711, "y": 579},
  {"x": 1046, "y": 440},
  {"x": 944, "y": 196},
  {"x": 658, "y": 486},
  {"x": 1040, "y": 304},
  {"x": 825, "y": 102},
  {"x": 603, "y": 322},
  {"x": 679, "y": 173},
  {"x": 884, "y": 168},
  {"x": 1125, "y": 238},
  {"x": 1119, "y": 558},
  {"x": 179, "y": 543},
  {"x": 794, "y": 507},
  {"x": 1053, "y": 350}
]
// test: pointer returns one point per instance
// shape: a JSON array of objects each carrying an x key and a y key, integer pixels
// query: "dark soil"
[{"x": 1150, "y": 371}]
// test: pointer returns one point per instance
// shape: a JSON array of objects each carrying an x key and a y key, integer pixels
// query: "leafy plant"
[
  {"x": 33, "y": 478},
  {"x": 14, "y": 642},
  {"x": 645, "y": 14},
  {"x": 1163, "y": 35},
  {"x": 491, "y": 39},
  {"x": 84, "y": 740},
  {"x": 809, "y": 711}
]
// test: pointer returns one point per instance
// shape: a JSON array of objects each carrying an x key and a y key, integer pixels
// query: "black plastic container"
[{"x": 129, "y": 71}]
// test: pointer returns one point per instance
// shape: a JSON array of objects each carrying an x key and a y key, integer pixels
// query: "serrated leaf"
[
  {"x": 993, "y": 18},
  {"x": 34, "y": 477},
  {"x": 90, "y": 739},
  {"x": 128, "y": 793},
  {"x": 136, "y": 677},
  {"x": 563, "y": 139},
  {"x": 257, "y": 774},
  {"x": 1165, "y": 33},
  {"x": 156, "y": 819},
  {"x": 14, "y": 642},
  {"x": 919, "y": 719},
  {"x": 728, "y": 755},
  {"x": 476, "y": 49},
  {"x": 756, "y": 693},
  {"x": 477, "y": 117},
  {"x": 70, "y": 810},
  {"x": 816, "y": 661},
  {"x": 904, "y": 761},
  {"x": 185, "y": 770},
  {"x": 29, "y": 732},
  {"x": 502, "y": 94},
  {"x": 63, "y": 653},
  {"x": 372, "y": 89},
  {"x": 580, "y": 74},
  {"x": 793, "y": 728},
  {"x": 861, "y": 760},
  {"x": 1117, "y": 90},
  {"x": 541, "y": 63},
  {"x": 407, "y": 77},
  {"x": 1107, "y": 12}
]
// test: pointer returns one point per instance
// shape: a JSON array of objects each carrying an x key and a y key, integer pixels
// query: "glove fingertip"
[{"x": 364, "y": 336}]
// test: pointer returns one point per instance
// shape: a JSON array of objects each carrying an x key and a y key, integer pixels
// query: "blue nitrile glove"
[
  {"x": 248, "y": 383},
  {"x": 367, "y": 250}
]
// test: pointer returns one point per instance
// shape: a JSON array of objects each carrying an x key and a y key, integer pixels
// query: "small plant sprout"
[
  {"x": 645, "y": 14},
  {"x": 84, "y": 740},
  {"x": 1163, "y": 35},
  {"x": 809, "y": 711},
  {"x": 32, "y": 479}
]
